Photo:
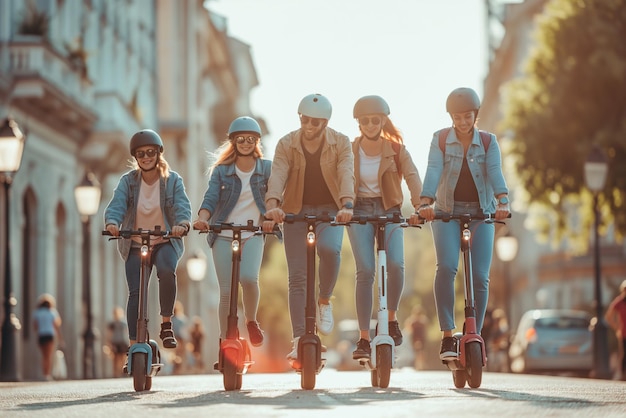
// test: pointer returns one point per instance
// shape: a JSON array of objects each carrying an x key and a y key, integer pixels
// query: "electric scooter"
[
  {"x": 472, "y": 355},
  {"x": 382, "y": 345},
  {"x": 144, "y": 357},
  {"x": 310, "y": 361},
  {"x": 234, "y": 355}
]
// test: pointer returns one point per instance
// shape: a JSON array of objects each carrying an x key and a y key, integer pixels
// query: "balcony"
[{"x": 49, "y": 87}]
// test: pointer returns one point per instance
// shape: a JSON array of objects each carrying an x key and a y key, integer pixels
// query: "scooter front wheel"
[
  {"x": 383, "y": 364},
  {"x": 230, "y": 369},
  {"x": 474, "y": 364},
  {"x": 139, "y": 366},
  {"x": 309, "y": 366}
]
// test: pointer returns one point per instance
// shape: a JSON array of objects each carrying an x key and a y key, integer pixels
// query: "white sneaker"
[
  {"x": 324, "y": 319},
  {"x": 293, "y": 355}
]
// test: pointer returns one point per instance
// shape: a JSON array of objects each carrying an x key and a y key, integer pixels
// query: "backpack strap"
[{"x": 485, "y": 137}]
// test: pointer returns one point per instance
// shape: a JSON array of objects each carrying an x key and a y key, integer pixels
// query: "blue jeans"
[
  {"x": 251, "y": 257},
  {"x": 363, "y": 240},
  {"x": 165, "y": 260},
  {"x": 328, "y": 245},
  {"x": 447, "y": 238}
]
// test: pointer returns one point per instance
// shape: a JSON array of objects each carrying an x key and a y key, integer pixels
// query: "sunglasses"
[
  {"x": 366, "y": 120},
  {"x": 314, "y": 121},
  {"x": 149, "y": 153},
  {"x": 248, "y": 139}
]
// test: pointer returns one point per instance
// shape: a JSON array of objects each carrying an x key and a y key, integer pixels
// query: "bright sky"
[{"x": 410, "y": 52}]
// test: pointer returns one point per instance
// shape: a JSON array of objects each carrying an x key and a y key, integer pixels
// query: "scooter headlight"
[
  {"x": 310, "y": 237},
  {"x": 467, "y": 234},
  {"x": 144, "y": 250},
  {"x": 235, "y": 245}
]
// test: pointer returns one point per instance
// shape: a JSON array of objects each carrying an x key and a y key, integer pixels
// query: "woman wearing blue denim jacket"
[
  {"x": 380, "y": 162},
  {"x": 150, "y": 195},
  {"x": 236, "y": 194},
  {"x": 465, "y": 177}
]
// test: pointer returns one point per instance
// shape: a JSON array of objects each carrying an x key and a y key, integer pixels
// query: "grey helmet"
[
  {"x": 368, "y": 105},
  {"x": 143, "y": 138},
  {"x": 315, "y": 106},
  {"x": 461, "y": 100},
  {"x": 244, "y": 124}
]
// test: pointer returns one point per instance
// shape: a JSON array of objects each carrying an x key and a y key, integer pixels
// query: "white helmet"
[{"x": 315, "y": 106}]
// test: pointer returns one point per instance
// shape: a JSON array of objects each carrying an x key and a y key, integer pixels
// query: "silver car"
[{"x": 553, "y": 340}]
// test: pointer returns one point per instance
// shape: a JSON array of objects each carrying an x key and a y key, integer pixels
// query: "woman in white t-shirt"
[
  {"x": 47, "y": 324},
  {"x": 380, "y": 162},
  {"x": 236, "y": 194}
]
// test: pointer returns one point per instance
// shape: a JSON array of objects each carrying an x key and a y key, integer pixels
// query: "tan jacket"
[
  {"x": 286, "y": 183},
  {"x": 388, "y": 178}
]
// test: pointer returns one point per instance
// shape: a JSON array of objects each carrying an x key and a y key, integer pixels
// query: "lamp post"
[
  {"x": 11, "y": 149},
  {"x": 87, "y": 195},
  {"x": 196, "y": 266},
  {"x": 596, "y": 169},
  {"x": 506, "y": 249}
]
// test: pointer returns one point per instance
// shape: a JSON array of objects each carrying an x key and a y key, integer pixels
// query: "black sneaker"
[
  {"x": 395, "y": 333},
  {"x": 167, "y": 335},
  {"x": 448, "y": 349},
  {"x": 363, "y": 350},
  {"x": 255, "y": 333}
]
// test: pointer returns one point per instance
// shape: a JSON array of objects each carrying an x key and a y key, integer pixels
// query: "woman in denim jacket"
[
  {"x": 380, "y": 162},
  {"x": 236, "y": 194},
  {"x": 149, "y": 195},
  {"x": 465, "y": 177}
]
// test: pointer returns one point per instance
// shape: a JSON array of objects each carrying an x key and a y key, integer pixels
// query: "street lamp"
[
  {"x": 87, "y": 195},
  {"x": 596, "y": 169},
  {"x": 196, "y": 266},
  {"x": 11, "y": 149}
]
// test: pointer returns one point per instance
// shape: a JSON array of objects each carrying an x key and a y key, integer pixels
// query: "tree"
[{"x": 571, "y": 96}]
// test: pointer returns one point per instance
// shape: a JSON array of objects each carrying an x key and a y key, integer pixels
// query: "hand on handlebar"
[
  {"x": 425, "y": 213},
  {"x": 502, "y": 212},
  {"x": 276, "y": 215},
  {"x": 268, "y": 226},
  {"x": 344, "y": 215},
  {"x": 178, "y": 231},
  {"x": 201, "y": 225},
  {"x": 113, "y": 229}
]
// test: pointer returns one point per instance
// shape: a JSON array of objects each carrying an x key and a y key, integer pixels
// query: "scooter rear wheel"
[
  {"x": 383, "y": 365},
  {"x": 139, "y": 366},
  {"x": 230, "y": 369},
  {"x": 474, "y": 364},
  {"x": 309, "y": 367}
]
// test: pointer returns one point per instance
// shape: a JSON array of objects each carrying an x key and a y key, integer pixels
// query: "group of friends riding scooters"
[{"x": 318, "y": 183}]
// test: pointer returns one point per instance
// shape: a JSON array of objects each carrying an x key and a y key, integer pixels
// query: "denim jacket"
[
  {"x": 442, "y": 172},
  {"x": 122, "y": 209},
  {"x": 225, "y": 188}
]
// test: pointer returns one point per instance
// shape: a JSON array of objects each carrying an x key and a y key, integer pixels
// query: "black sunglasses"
[
  {"x": 314, "y": 121},
  {"x": 150, "y": 153},
  {"x": 248, "y": 139},
  {"x": 366, "y": 120}
]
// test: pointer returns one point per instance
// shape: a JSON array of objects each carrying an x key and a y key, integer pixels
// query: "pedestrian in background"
[
  {"x": 47, "y": 325},
  {"x": 181, "y": 330},
  {"x": 417, "y": 324},
  {"x": 118, "y": 340},
  {"x": 196, "y": 335},
  {"x": 616, "y": 318},
  {"x": 313, "y": 174},
  {"x": 381, "y": 161}
]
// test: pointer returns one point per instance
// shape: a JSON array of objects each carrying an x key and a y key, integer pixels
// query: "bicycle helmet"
[
  {"x": 315, "y": 106},
  {"x": 462, "y": 100},
  {"x": 244, "y": 124},
  {"x": 143, "y": 138},
  {"x": 368, "y": 105}
]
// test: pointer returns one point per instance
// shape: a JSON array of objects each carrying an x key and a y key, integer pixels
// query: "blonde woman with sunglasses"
[{"x": 236, "y": 194}]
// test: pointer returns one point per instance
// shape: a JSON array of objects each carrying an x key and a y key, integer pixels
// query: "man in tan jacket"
[{"x": 312, "y": 174}]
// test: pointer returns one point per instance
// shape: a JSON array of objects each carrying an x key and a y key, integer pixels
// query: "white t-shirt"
[
  {"x": 149, "y": 212},
  {"x": 368, "y": 172},
  {"x": 245, "y": 208}
]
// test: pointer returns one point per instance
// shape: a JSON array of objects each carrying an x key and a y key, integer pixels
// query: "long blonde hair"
[
  {"x": 227, "y": 154},
  {"x": 162, "y": 165}
]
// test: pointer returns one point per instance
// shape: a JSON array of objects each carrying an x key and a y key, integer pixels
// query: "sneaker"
[
  {"x": 167, "y": 335},
  {"x": 293, "y": 355},
  {"x": 448, "y": 349},
  {"x": 255, "y": 333},
  {"x": 395, "y": 333},
  {"x": 325, "y": 321},
  {"x": 363, "y": 350}
]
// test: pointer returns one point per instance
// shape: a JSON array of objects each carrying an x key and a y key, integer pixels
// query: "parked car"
[{"x": 553, "y": 340}]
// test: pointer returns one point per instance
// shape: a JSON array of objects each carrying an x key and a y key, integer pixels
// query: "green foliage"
[{"x": 572, "y": 95}]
